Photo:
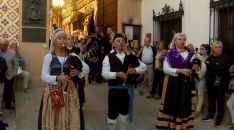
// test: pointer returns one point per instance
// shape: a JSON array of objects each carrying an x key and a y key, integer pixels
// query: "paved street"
[{"x": 145, "y": 112}]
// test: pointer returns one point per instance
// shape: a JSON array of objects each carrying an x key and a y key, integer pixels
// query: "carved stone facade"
[
  {"x": 112, "y": 13},
  {"x": 76, "y": 14}
]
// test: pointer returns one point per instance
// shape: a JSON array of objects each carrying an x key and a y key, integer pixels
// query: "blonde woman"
[
  {"x": 158, "y": 71},
  {"x": 176, "y": 103}
]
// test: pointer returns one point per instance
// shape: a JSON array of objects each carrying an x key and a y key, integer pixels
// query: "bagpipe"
[
  {"x": 133, "y": 62},
  {"x": 75, "y": 63},
  {"x": 74, "y": 60}
]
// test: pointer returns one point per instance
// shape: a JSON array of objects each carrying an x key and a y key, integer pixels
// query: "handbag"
[{"x": 56, "y": 96}]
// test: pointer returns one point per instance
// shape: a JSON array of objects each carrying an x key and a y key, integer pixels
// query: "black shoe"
[
  {"x": 217, "y": 124},
  {"x": 208, "y": 119}
]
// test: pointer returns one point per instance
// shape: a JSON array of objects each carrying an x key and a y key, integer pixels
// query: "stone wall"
[{"x": 9, "y": 20}]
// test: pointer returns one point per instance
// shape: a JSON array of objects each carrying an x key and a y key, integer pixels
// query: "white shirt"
[
  {"x": 147, "y": 55},
  {"x": 107, "y": 74},
  {"x": 51, "y": 79},
  {"x": 167, "y": 67},
  {"x": 85, "y": 70}
]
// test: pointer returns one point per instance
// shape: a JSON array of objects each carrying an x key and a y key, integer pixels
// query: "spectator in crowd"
[
  {"x": 147, "y": 56},
  {"x": 22, "y": 73},
  {"x": 108, "y": 39},
  {"x": 216, "y": 82},
  {"x": 70, "y": 45},
  {"x": 230, "y": 102},
  {"x": 190, "y": 48},
  {"x": 128, "y": 48},
  {"x": 200, "y": 68},
  {"x": 158, "y": 71},
  {"x": 100, "y": 54},
  {"x": 205, "y": 51},
  {"x": 60, "y": 90},
  {"x": 81, "y": 44},
  {"x": 176, "y": 103},
  {"x": 12, "y": 68},
  {"x": 136, "y": 47},
  {"x": 119, "y": 69}
]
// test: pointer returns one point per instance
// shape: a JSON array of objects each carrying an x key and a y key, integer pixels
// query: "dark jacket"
[
  {"x": 217, "y": 65},
  {"x": 117, "y": 66}
]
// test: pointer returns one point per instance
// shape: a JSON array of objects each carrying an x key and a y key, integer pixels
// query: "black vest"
[
  {"x": 56, "y": 66},
  {"x": 117, "y": 66}
]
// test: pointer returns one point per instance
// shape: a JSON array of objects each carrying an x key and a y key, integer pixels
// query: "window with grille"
[
  {"x": 168, "y": 28},
  {"x": 167, "y": 23},
  {"x": 223, "y": 25}
]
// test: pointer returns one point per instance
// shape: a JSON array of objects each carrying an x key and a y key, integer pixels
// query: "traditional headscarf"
[
  {"x": 172, "y": 44},
  {"x": 55, "y": 35}
]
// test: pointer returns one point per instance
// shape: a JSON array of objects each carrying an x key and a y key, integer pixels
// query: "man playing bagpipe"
[{"x": 120, "y": 69}]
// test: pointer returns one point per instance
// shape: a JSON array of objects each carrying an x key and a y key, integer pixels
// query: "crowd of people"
[
  {"x": 12, "y": 66},
  {"x": 178, "y": 75}
]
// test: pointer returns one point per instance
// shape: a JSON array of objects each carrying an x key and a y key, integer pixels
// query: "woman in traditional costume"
[
  {"x": 177, "y": 108},
  {"x": 59, "y": 109}
]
